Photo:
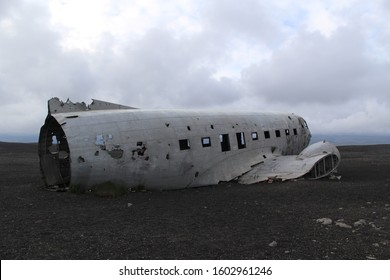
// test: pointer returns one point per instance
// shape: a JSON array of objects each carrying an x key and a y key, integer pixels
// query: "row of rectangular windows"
[{"x": 184, "y": 144}]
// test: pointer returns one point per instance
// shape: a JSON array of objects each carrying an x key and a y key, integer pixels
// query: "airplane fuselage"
[{"x": 163, "y": 149}]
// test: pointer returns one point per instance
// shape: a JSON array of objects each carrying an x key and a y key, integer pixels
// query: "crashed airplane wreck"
[{"x": 86, "y": 145}]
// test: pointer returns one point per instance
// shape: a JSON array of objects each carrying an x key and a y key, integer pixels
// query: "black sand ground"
[{"x": 228, "y": 221}]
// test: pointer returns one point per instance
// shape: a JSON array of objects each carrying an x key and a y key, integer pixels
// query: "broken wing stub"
[
  {"x": 57, "y": 106},
  {"x": 316, "y": 161}
]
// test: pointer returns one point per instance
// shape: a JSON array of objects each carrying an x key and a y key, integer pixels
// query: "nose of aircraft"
[{"x": 306, "y": 131}]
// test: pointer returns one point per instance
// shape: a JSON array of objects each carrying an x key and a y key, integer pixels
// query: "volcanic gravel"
[{"x": 346, "y": 218}]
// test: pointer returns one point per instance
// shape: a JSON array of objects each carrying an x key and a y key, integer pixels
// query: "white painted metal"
[{"x": 166, "y": 149}]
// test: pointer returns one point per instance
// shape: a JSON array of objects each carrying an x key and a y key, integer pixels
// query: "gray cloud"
[
  {"x": 333, "y": 82},
  {"x": 6, "y": 6},
  {"x": 160, "y": 70},
  {"x": 242, "y": 19},
  {"x": 315, "y": 69}
]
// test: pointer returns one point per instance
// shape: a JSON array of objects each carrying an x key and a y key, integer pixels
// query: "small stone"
[
  {"x": 374, "y": 226},
  {"x": 361, "y": 222},
  {"x": 342, "y": 225},
  {"x": 273, "y": 244},
  {"x": 324, "y": 221}
]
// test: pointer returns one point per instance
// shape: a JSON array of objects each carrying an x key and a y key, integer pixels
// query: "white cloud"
[
  {"x": 322, "y": 20},
  {"x": 328, "y": 61}
]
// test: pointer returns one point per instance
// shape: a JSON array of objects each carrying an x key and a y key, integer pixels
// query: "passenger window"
[
  {"x": 287, "y": 131},
  {"x": 206, "y": 142},
  {"x": 267, "y": 134},
  {"x": 277, "y": 133},
  {"x": 225, "y": 143},
  {"x": 255, "y": 136},
  {"x": 295, "y": 131},
  {"x": 184, "y": 144},
  {"x": 241, "y": 140}
]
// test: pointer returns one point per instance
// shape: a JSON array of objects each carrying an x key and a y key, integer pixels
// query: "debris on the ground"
[
  {"x": 342, "y": 225},
  {"x": 334, "y": 177},
  {"x": 374, "y": 226},
  {"x": 273, "y": 244},
  {"x": 361, "y": 222},
  {"x": 324, "y": 221}
]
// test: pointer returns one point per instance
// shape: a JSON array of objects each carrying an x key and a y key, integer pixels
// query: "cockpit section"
[{"x": 305, "y": 131}]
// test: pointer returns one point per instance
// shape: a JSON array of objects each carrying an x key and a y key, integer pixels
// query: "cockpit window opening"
[
  {"x": 277, "y": 133},
  {"x": 267, "y": 135},
  {"x": 303, "y": 123}
]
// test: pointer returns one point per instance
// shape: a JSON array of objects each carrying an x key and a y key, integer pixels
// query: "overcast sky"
[{"x": 328, "y": 61}]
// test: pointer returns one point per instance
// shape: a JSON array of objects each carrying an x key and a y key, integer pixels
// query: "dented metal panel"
[{"x": 165, "y": 149}]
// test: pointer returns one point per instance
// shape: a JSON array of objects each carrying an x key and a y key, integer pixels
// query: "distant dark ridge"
[
  {"x": 18, "y": 147},
  {"x": 352, "y": 139},
  {"x": 19, "y": 138}
]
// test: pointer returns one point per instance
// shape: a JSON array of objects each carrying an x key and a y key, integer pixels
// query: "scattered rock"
[
  {"x": 375, "y": 244},
  {"x": 334, "y": 177},
  {"x": 129, "y": 204},
  {"x": 273, "y": 244},
  {"x": 361, "y": 222},
  {"x": 342, "y": 225},
  {"x": 324, "y": 221},
  {"x": 370, "y": 258},
  {"x": 374, "y": 226}
]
